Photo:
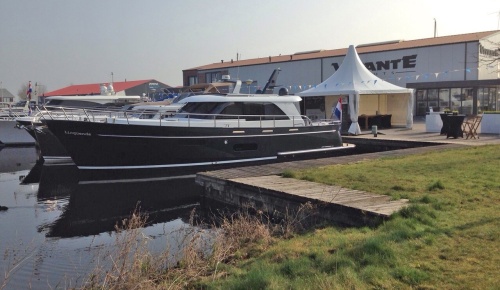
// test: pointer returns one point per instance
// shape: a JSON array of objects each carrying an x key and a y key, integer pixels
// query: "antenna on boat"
[{"x": 271, "y": 83}]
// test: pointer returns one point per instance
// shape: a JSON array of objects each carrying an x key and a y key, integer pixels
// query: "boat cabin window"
[
  {"x": 251, "y": 111},
  {"x": 273, "y": 112},
  {"x": 231, "y": 110},
  {"x": 145, "y": 114},
  {"x": 202, "y": 108}
]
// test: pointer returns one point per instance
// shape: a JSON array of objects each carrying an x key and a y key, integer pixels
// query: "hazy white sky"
[{"x": 62, "y": 42}]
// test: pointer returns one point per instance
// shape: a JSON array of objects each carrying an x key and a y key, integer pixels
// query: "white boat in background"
[
  {"x": 10, "y": 133},
  {"x": 68, "y": 107}
]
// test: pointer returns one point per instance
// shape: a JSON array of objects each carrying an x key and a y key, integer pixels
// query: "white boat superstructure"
[
  {"x": 10, "y": 133},
  {"x": 228, "y": 115}
]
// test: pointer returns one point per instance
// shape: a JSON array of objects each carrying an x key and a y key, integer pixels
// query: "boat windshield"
[{"x": 182, "y": 96}]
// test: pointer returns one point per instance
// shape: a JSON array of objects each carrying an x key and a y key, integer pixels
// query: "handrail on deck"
[{"x": 90, "y": 114}]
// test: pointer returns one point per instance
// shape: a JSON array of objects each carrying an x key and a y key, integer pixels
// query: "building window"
[
  {"x": 444, "y": 99},
  {"x": 421, "y": 102},
  {"x": 494, "y": 99},
  {"x": 432, "y": 98},
  {"x": 193, "y": 80},
  {"x": 456, "y": 98},
  {"x": 467, "y": 101},
  {"x": 212, "y": 77},
  {"x": 487, "y": 99}
]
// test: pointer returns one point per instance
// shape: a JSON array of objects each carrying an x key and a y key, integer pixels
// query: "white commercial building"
[{"x": 458, "y": 72}]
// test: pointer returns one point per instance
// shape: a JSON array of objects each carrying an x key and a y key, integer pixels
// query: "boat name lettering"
[{"x": 77, "y": 133}]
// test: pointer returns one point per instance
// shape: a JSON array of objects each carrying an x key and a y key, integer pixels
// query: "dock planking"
[
  {"x": 263, "y": 185},
  {"x": 376, "y": 204}
]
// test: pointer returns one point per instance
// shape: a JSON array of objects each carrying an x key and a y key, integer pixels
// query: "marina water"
[{"x": 56, "y": 229}]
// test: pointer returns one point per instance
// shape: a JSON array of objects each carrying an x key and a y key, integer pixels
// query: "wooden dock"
[
  {"x": 380, "y": 205},
  {"x": 283, "y": 197},
  {"x": 263, "y": 188}
]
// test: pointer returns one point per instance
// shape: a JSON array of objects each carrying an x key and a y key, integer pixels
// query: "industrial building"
[{"x": 457, "y": 72}]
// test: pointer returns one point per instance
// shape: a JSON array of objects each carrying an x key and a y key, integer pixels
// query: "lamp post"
[{"x": 248, "y": 82}]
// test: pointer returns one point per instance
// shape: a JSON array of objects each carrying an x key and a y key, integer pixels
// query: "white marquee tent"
[{"x": 353, "y": 79}]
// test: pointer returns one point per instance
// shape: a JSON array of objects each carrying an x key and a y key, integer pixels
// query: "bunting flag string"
[{"x": 388, "y": 77}]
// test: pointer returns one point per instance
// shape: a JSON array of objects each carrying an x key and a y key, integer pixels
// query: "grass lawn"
[{"x": 448, "y": 238}]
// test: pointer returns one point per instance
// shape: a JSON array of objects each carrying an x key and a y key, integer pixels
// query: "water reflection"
[
  {"x": 16, "y": 158},
  {"x": 62, "y": 223},
  {"x": 91, "y": 208}
]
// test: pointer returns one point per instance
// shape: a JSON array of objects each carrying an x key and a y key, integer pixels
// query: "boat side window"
[
  {"x": 231, "y": 111},
  {"x": 273, "y": 112},
  {"x": 73, "y": 104},
  {"x": 193, "y": 109},
  {"x": 253, "y": 111},
  {"x": 145, "y": 114}
]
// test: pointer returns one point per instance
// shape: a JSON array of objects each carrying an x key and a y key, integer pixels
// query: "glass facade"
[
  {"x": 444, "y": 99},
  {"x": 488, "y": 99},
  {"x": 432, "y": 99},
  {"x": 455, "y": 99},
  {"x": 465, "y": 101},
  {"x": 422, "y": 107}
]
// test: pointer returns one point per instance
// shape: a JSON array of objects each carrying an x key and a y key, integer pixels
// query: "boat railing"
[
  {"x": 10, "y": 115},
  {"x": 166, "y": 117},
  {"x": 78, "y": 114},
  {"x": 297, "y": 120}
]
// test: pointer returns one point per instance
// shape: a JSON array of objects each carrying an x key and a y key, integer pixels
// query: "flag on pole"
[
  {"x": 338, "y": 110},
  {"x": 28, "y": 92}
]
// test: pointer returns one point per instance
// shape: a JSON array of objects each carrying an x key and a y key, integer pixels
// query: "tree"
[
  {"x": 37, "y": 90},
  {"x": 21, "y": 93},
  {"x": 489, "y": 52}
]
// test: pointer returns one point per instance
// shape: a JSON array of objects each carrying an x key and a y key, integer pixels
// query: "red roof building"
[{"x": 149, "y": 88}]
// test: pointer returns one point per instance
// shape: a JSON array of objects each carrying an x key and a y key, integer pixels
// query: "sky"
[{"x": 57, "y": 43}]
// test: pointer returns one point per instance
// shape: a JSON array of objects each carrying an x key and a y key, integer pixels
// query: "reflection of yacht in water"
[
  {"x": 57, "y": 181},
  {"x": 93, "y": 208},
  {"x": 33, "y": 175}
]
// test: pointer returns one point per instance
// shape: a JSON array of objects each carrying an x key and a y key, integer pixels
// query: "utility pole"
[{"x": 435, "y": 27}]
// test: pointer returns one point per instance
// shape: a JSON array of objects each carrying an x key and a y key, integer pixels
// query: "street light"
[{"x": 248, "y": 82}]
